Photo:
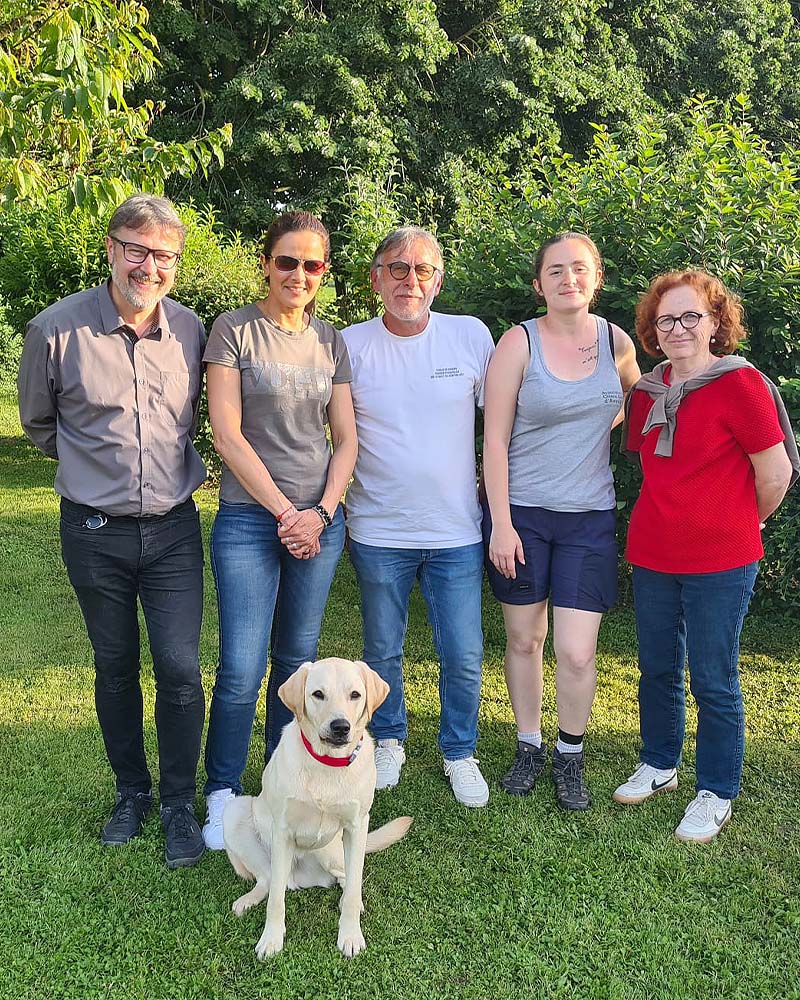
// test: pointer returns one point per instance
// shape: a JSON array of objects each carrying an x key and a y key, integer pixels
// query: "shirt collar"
[{"x": 112, "y": 322}]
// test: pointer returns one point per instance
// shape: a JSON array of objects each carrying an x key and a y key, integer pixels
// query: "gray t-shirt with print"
[{"x": 286, "y": 381}]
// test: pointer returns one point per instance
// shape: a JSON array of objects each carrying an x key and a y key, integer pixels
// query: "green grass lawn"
[{"x": 513, "y": 901}]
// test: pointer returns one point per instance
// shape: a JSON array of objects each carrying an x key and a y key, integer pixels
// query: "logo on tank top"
[
  {"x": 447, "y": 373},
  {"x": 612, "y": 396}
]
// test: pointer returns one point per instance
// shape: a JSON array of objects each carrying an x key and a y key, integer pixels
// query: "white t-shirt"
[{"x": 414, "y": 398}]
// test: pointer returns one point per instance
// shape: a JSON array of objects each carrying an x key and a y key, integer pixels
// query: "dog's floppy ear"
[
  {"x": 376, "y": 687},
  {"x": 293, "y": 692}
]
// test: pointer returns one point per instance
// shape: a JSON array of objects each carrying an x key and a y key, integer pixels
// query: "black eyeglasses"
[
  {"x": 399, "y": 269},
  {"x": 687, "y": 320},
  {"x": 135, "y": 253},
  {"x": 284, "y": 262}
]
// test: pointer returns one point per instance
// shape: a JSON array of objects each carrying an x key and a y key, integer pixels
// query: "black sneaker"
[
  {"x": 571, "y": 790},
  {"x": 127, "y": 818},
  {"x": 185, "y": 844},
  {"x": 528, "y": 764}
]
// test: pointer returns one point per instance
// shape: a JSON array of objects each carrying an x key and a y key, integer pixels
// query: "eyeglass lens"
[
  {"x": 135, "y": 253},
  {"x": 687, "y": 320},
  {"x": 399, "y": 269},
  {"x": 284, "y": 262}
]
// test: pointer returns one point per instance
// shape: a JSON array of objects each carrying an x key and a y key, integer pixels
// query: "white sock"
[
  {"x": 563, "y": 747},
  {"x": 535, "y": 739}
]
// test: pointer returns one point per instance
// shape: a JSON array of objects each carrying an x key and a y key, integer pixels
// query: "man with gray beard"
[{"x": 109, "y": 387}]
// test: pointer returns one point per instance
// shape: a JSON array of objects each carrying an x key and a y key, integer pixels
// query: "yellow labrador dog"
[{"x": 309, "y": 826}]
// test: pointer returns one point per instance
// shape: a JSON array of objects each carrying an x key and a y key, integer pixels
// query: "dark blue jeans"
[
  {"x": 450, "y": 580},
  {"x": 159, "y": 562},
  {"x": 270, "y": 604},
  {"x": 701, "y": 613}
]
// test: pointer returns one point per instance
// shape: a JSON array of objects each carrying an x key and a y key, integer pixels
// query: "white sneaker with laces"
[
  {"x": 705, "y": 816},
  {"x": 212, "y": 828},
  {"x": 467, "y": 782},
  {"x": 644, "y": 782},
  {"x": 389, "y": 758}
]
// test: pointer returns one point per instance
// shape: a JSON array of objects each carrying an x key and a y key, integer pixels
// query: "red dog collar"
[{"x": 332, "y": 761}]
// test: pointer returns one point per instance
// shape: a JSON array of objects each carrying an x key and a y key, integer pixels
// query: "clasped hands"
[{"x": 299, "y": 532}]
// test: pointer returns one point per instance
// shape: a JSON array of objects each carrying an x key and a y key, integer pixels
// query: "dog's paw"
[
  {"x": 270, "y": 943},
  {"x": 351, "y": 942},
  {"x": 243, "y": 904}
]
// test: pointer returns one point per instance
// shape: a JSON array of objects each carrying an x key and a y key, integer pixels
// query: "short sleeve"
[
  {"x": 751, "y": 413},
  {"x": 343, "y": 371},
  {"x": 485, "y": 349},
  {"x": 224, "y": 343},
  {"x": 640, "y": 406}
]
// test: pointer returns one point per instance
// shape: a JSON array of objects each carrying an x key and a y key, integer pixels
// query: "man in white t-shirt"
[{"x": 412, "y": 510}]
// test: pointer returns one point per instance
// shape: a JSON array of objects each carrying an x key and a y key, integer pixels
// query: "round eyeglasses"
[
  {"x": 135, "y": 253},
  {"x": 400, "y": 269},
  {"x": 688, "y": 320}
]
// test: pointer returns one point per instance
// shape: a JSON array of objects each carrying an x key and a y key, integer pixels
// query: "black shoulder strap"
[
  {"x": 611, "y": 341},
  {"x": 527, "y": 334}
]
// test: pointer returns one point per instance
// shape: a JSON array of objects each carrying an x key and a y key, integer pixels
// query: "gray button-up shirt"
[{"x": 117, "y": 412}]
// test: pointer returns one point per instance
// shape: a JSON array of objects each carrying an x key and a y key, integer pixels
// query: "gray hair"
[
  {"x": 402, "y": 238},
  {"x": 147, "y": 211}
]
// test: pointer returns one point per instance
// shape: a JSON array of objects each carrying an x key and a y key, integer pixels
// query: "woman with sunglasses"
[
  {"x": 554, "y": 390},
  {"x": 277, "y": 377},
  {"x": 715, "y": 457}
]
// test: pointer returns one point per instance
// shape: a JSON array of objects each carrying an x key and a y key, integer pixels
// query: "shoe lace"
[
  {"x": 180, "y": 823},
  {"x": 571, "y": 774},
  {"x": 702, "y": 808},
  {"x": 384, "y": 756},
  {"x": 124, "y": 810},
  {"x": 524, "y": 763},
  {"x": 464, "y": 771}
]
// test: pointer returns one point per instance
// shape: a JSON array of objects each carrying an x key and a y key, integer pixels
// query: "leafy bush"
[
  {"x": 710, "y": 195},
  {"x": 49, "y": 253}
]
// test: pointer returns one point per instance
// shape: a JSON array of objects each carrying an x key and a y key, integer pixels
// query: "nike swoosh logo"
[
  {"x": 655, "y": 785},
  {"x": 719, "y": 822}
]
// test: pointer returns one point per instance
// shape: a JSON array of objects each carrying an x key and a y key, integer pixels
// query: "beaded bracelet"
[{"x": 327, "y": 520}]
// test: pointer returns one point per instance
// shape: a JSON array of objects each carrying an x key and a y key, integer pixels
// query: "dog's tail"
[{"x": 388, "y": 834}]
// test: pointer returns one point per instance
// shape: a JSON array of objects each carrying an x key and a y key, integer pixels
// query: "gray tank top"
[{"x": 558, "y": 455}]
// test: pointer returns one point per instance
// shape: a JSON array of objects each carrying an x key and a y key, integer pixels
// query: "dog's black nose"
[{"x": 339, "y": 727}]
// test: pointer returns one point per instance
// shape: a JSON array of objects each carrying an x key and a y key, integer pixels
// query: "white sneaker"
[
  {"x": 467, "y": 782},
  {"x": 212, "y": 828},
  {"x": 644, "y": 782},
  {"x": 705, "y": 816},
  {"x": 389, "y": 758}
]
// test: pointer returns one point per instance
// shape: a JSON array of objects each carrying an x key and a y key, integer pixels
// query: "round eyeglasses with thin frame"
[
  {"x": 285, "y": 263},
  {"x": 688, "y": 320},
  {"x": 400, "y": 269},
  {"x": 135, "y": 253}
]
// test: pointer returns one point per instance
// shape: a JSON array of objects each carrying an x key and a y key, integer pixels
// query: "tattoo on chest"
[{"x": 588, "y": 354}]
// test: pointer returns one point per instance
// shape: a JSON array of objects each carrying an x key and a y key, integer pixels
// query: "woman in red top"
[{"x": 714, "y": 466}]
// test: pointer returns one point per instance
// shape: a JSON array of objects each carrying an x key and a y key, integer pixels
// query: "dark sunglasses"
[{"x": 284, "y": 262}]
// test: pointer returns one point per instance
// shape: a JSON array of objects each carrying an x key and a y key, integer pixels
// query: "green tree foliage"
[{"x": 65, "y": 123}]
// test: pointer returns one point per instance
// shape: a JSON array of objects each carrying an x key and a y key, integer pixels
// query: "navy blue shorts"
[{"x": 569, "y": 557}]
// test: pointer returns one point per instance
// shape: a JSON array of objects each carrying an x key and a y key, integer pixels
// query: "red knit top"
[{"x": 697, "y": 511}]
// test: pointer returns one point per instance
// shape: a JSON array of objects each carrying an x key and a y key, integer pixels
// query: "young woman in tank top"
[{"x": 554, "y": 390}]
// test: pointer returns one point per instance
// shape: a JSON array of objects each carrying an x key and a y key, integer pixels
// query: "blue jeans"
[
  {"x": 269, "y": 604},
  {"x": 701, "y": 613},
  {"x": 450, "y": 580}
]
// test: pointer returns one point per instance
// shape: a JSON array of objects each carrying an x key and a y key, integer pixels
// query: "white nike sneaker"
[
  {"x": 467, "y": 782},
  {"x": 644, "y": 782},
  {"x": 705, "y": 816},
  {"x": 212, "y": 828},
  {"x": 389, "y": 758}
]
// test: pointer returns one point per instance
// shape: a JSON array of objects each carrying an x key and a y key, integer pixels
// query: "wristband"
[
  {"x": 283, "y": 513},
  {"x": 327, "y": 520}
]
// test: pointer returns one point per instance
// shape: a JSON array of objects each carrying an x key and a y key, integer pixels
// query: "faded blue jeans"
[
  {"x": 270, "y": 604},
  {"x": 450, "y": 580},
  {"x": 701, "y": 613}
]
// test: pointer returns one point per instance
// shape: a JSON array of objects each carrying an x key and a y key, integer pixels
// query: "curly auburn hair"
[{"x": 722, "y": 302}]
